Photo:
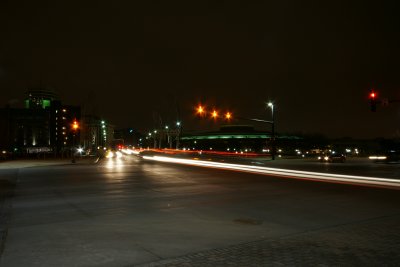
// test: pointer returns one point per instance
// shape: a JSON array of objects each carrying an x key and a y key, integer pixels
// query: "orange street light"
[
  {"x": 75, "y": 125},
  {"x": 200, "y": 110},
  {"x": 228, "y": 116},
  {"x": 214, "y": 114}
]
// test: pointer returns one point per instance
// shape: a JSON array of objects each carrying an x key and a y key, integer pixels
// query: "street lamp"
[
  {"x": 214, "y": 114},
  {"x": 155, "y": 139},
  {"x": 271, "y": 105},
  {"x": 200, "y": 110},
  {"x": 168, "y": 137},
  {"x": 178, "y": 124}
]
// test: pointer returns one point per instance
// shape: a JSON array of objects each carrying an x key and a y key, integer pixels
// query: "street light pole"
[
  {"x": 178, "y": 136},
  {"x": 168, "y": 138},
  {"x": 271, "y": 105},
  {"x": 155, "y": 139}
]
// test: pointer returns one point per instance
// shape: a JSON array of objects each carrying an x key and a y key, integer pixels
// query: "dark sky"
[{"x": 131, "y": 60}]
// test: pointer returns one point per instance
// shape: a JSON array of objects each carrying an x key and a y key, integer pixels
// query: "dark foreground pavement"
[
  {"x": 365, "y": 243},
  {"x": 132, "y": 212},
  {"x": 7, "y": 186}
]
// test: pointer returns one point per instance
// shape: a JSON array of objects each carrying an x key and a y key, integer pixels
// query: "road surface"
[{"x": 134, "y": 212}]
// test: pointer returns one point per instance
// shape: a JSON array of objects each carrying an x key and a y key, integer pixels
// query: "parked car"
[{"x": 334, "y": 157}]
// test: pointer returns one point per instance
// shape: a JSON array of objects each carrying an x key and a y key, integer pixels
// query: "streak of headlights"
[
  {"x": 284, "y": 172},
  {"x": 377, "y": 157}
]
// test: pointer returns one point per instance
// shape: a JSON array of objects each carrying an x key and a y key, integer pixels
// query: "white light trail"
[
  {"x": 284, "y": 172},
  {"x": 377, "y": 157}
]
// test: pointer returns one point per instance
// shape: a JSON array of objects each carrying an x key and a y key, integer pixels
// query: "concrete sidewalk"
[
  {"x": 366, "y": 243},
  {"x": 7, "y": 187},
  {"x": 8, "y": 178},
  {"x": 27, "y": 163}
]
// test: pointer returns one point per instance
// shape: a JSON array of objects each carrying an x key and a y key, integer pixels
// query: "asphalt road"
[{"x": 129, "y": 212}]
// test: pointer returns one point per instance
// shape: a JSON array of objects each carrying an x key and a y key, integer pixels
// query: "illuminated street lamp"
[
  {"x": 155, "y": 139},
  {"x": 228, "y": 116},
  {"x": 178, "y": 135},
  {"x": 214, "y": 114},
  {"x": 271, "y": 105},
  {"x": 200, "y": 110},
  {"x": 168, "y": 137}
]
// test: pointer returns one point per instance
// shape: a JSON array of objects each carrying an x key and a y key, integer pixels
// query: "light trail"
[{"x": 317, "y": 176}]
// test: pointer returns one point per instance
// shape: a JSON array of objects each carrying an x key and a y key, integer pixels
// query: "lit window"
[
  {"x": 64, "y": 110},
  {"x": 63, "y": 133},
  {"x": 56, "y": 111}
]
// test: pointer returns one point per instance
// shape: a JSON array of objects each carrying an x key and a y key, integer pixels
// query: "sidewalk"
[
  {"x": 8, "y": 177},
  {"x": 7, "y": 186},
  {"x": 17, "y": 164},
  {"x": 367, "y": 243}
]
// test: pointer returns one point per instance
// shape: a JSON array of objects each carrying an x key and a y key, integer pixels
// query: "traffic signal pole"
[{"x": 374, "y": 100}]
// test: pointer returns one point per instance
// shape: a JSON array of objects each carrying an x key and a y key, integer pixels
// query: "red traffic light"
[
  {"x": 373, "y": 100},
  {"x": 372, "y": 95}
]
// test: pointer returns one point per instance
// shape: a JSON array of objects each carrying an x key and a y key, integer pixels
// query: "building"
[
  {"x": 43, "y": 125},
  {"x": 237, "y": 138},
  {"x": 228, "y": 138},
  {"x": 96, "y": 133},
  {"x": 39, "y": 98},
  {"x": 63, "y": 134}
]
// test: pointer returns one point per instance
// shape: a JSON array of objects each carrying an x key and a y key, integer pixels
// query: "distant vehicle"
[
  {"x": 391, "y": 156},
  {"x": 334, "y": 157},
  {"x": 117, "y": 144}
]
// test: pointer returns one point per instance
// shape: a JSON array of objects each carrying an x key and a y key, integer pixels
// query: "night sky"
[{"x": 133, "y": 62}]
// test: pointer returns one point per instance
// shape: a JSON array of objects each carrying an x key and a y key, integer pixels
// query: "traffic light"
[
  {"x": 373, "y": 100},
  {"x": 75, "y": 125}
]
